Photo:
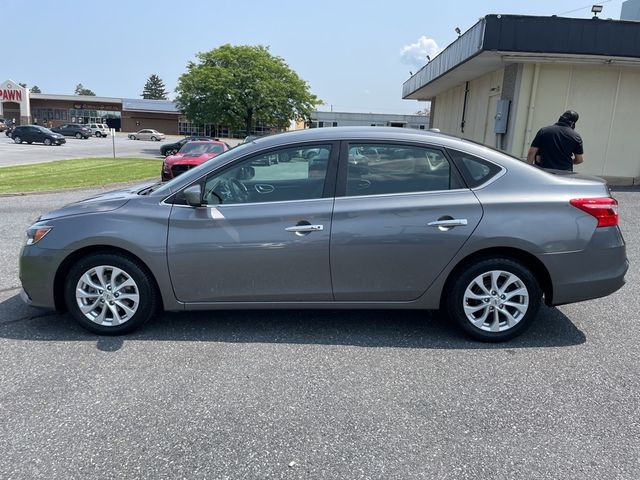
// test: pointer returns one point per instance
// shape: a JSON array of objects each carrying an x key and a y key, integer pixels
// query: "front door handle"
[{"x": 305, "y": 228}]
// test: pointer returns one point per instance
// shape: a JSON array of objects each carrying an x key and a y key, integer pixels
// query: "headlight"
[{"x": 35, "y": 234}]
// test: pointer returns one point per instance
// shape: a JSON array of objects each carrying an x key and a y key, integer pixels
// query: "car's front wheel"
[
  {"x": 132, "y": 137},
  {"x": 153, "y": 139},
  {"x": 17, "y": 139},
  {"x": 110, "y": 294},
  {"x": 47, "y": 141},
  {"x": 495, "y": 299},
  {"x": 98, "y": 134}
]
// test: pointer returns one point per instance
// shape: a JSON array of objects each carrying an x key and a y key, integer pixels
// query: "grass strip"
[{"x": 76, "y": 173}]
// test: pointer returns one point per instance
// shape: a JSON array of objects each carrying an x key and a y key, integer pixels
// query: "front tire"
[
  {"x": 110, "y": 294},
  {"x": 47, "y": 142},
  {"x": 78, "y": 136},
  {"x": 98, "y": 134},
  {"x": 495, "y": 299},
  {"x": 132, "y": 137},
  {"x": 17, "y": 140}
]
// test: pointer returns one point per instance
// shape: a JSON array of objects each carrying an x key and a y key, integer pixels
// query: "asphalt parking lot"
[
  {"x": 317, "y": 394},
  {"x": 13, "y": 154}
]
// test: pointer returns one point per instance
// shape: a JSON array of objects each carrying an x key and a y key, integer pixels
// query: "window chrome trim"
[{"x": 425, "y": 192}]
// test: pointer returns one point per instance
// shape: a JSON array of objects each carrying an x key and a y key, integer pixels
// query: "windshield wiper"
[{"x": 152, "y": 188}]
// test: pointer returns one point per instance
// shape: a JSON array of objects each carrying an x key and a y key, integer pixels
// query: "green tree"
[
  {"x": 35, "y": 89},
  {"x": 241, "y": 85},
  {"x": 154, "y": 89},
  {"x": 81, "y": 90}
]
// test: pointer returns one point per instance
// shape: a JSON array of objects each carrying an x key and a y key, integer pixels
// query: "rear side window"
[
  {"x": 475, "y": 170},
  {"x": 378, "y": 169}
]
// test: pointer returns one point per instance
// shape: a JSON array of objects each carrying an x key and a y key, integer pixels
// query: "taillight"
[{"x": 604, "y": 209}]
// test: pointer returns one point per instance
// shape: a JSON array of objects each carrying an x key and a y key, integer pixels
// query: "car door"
[
  {"x": 247, "y": 245},
  {"x": 401, "y": 216}
]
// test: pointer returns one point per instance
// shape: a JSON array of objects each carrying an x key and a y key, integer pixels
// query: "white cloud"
[{"x": 416, "y": 53}]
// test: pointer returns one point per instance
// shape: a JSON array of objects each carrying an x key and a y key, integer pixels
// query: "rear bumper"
[{"x": 594, "y": 272}]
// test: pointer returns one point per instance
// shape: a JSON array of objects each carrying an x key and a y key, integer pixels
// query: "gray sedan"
[
  {"x": 147, "y": 134},
  {"x": 355, "y": 218}
]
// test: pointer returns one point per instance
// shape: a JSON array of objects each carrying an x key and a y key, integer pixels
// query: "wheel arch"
[
  {"x": 69, "y": 261},
  {"x": 529, "y": 260}
]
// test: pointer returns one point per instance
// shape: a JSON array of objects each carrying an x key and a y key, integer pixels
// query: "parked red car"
[{"x": 191, "y": 155}]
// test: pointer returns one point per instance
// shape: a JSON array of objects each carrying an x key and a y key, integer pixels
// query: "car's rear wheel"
[
  {"x": 110, "y": 294},
  {"x": 495, "y": 299},
  {"x": 132, "y": 137},
  {"x": 78, "y": 135},
  {"x": 98, "y": 134},
  {"x": 47, "y": 141},
  {"x": 17, "y": 139}
]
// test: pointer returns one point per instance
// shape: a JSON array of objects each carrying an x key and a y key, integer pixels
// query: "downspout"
[
  {"x": 532, "y": 107},
  {"x": 464, "y": 107}
]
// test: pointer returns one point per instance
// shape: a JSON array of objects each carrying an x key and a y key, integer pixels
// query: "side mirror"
[{"x": 193, "y": 195}]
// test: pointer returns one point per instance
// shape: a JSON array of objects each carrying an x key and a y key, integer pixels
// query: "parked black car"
[
  {"x": 73, "y": 130},
  {"x": 37, "y": 134},
  {"x": 173, "y": 148}
]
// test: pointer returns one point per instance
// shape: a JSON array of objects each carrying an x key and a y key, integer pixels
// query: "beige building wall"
[
  {"x": 607, "y": 97},
  {"x": 482, "y": 99}
]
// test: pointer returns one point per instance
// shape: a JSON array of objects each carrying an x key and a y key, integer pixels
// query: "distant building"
[
  {"x": 510, "y": 75},
  {"x": 346, "y": 119},
  {"x": 630, "y": 10}
]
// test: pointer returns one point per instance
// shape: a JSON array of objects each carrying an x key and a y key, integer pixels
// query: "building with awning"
[{"x": 509, "y": 75}]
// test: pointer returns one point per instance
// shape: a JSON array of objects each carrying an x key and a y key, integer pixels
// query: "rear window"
[{"x": 475, "y": 170}]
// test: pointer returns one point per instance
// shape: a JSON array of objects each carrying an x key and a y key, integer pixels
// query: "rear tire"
[
  {"x": 494, "y": 299},
  {"x": 98, "y": 134},
  {"x": 110, "y": 294}
]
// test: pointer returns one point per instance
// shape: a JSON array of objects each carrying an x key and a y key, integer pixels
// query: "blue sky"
[{"x": 354, "y": 54}]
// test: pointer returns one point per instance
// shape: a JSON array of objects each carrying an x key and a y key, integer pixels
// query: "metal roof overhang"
[
  {"x": 498, "y": 40},
  {"x": 489, "y": 61}
]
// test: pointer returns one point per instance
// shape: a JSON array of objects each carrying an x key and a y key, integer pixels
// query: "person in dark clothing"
[{"x": 558, "y": 146}]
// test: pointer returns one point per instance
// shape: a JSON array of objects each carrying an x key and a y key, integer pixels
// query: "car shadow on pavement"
[{"x": 362, "y": 328}]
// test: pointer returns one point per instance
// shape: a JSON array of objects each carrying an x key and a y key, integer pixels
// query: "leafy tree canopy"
[
  {"x": 241, "y": 85},
  {"x": 81, "y": 90},
  {"x": 154, "y": 89}
]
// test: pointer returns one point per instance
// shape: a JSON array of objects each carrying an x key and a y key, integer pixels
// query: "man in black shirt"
[{"x": 558, "y": 146}]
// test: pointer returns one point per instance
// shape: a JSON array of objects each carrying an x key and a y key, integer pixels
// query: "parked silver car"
[
  {"x": 428, "y": 222},
  {"x": 99, "y": 129},
  {"x": 147, "y": 134}
]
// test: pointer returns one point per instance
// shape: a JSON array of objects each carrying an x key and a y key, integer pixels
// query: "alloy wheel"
[
  {"x": 107, "y": 295},
  {"x": 496, "y": 301}
]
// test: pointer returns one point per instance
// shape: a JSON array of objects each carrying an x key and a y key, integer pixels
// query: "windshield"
[
  {"x": 196, "y": 172},
  {"x": 200, "y": 148}
]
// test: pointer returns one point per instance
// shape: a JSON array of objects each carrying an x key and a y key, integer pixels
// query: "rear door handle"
[
  {"x": 305, "y": 228},
  {"x": 452, "y": 222},
  {"x": 444, "y": 224}
]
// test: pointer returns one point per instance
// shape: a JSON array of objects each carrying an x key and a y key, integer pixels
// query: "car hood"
[
  {"x": 104, "y": 202},
  {"x": 189, "y": 160}
]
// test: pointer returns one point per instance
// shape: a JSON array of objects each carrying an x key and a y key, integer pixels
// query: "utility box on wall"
[{"x": 502, "y": 116}]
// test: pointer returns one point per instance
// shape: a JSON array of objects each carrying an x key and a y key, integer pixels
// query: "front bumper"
[{"x": 38, "y": 267}]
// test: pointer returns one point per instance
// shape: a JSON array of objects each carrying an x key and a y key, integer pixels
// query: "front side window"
[
  {"x": 276, "y": 176},
  {"x": 377, "y": 169}
]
